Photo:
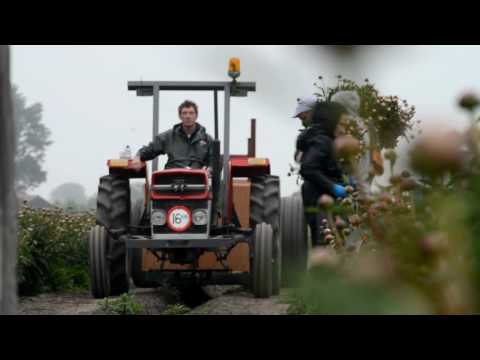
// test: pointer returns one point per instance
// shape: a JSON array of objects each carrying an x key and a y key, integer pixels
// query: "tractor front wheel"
[
  {"x": 265, "y": 207},
  {"x": 262, "y": 262},
  {"x": 294, "y": 240},
  {"x": 99, "y": 277}
]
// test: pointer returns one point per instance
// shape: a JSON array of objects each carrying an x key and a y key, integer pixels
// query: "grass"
[
  {"x": 176, "y": 309},
  {"x": 124, "y": 305}
]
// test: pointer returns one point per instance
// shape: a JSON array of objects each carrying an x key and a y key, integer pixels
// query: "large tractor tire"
[
  {"x": 113, "y": 214},
  {"x": 294, "y": 240},
  {"x": 265, "y": 207},
  {"x": 136, "y": 255},
  {"x": 99, "y": 278},
  {"x": 261, "y": 265}
]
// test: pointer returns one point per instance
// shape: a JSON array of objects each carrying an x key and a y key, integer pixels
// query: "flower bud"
[
  {"x": 329, "y": 238},
  {"x": 408, "y": 184},
  {"x": 340, "y": 223},
  {"x": 326, "y": 201},
  {"x": 323, "y": 257},
  {"x": 469, "y": 101},
  {"x": 391, "y": 155},
  {"x": 349, "y": 189},
  {"x": 354, "y": 220},
  {"x": 438, "y": 152},
  {"x": 380, "y": 206},
  {"x": 346, "y": 202},
  {"x": 434, "y": 243},
  {"x": 385, "y": 197},
  {"x": 405, "y": 174}
]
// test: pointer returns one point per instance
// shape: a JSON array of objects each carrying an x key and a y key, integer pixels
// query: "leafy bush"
[
  {"x": 52, "y": 250},
  {"x": 124, "y": 305}
]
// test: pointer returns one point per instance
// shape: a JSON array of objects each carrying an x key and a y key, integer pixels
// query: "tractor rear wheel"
[
  {"x": 99, "y": 277},
  {"x": 265, "y": 207},
  {"x": 294, "y": 239},
  {"x": 113, "y": 213},
  {"x": 262, "y": 262}
]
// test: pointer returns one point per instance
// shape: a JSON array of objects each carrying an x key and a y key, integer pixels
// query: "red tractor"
[{"x": 229, "y": 226}]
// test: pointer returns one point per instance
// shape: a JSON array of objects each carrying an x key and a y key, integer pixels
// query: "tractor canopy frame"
[{"x": 230, "y": 89}]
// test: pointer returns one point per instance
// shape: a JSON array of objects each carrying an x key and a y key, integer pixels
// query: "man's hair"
[{"x": 187, "y": 104}]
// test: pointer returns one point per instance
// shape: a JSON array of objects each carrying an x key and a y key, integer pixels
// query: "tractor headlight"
[
  {"x": 200, "y": 217},
  {"x": 159, "y": 217}
]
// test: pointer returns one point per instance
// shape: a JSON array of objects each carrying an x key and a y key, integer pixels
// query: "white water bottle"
[{"x": 126, "y": 154}]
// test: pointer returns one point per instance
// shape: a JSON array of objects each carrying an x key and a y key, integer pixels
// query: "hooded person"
[
  {"x": 319, "y": 167},
  {"x": 372, "y": 158}
]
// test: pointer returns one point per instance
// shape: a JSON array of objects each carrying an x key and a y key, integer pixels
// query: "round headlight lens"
[
  {"x": 159, "y": 217},
  {"x": 199, "y": 217}
]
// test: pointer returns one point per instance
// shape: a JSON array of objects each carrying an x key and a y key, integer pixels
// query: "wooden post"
[{"x": 8, "y": 205}]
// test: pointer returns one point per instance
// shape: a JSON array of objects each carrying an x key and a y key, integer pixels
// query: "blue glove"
[{"x": 339, "y": 191}]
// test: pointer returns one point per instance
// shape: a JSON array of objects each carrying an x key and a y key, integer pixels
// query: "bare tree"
[{"x": 8, "y": 224}]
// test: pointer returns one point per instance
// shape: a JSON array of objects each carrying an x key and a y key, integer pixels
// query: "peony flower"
[{"x": 469, "y": 101}]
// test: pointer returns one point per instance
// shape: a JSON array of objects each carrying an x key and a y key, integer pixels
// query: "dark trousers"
[{"x": 313, "y": 214}]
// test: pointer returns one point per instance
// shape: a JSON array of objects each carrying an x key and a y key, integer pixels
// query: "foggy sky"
[{"x": 92, "y": 116}]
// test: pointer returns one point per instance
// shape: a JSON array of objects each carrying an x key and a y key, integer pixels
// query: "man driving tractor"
[{"x": 187, "y": 144}]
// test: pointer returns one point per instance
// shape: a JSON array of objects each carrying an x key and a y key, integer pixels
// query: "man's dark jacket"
[
  {"x": 194, "y": 152},
  {"x": 319, "y": 165}
]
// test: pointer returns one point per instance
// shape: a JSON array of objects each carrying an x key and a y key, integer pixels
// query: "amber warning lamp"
[{"x": 234, "y": 68}]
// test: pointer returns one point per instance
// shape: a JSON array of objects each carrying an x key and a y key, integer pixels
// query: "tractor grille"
[
  {"x": 191, "y": 205},
  {"x": 180, "y": 184}
]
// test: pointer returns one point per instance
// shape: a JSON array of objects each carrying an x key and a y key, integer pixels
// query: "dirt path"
[
  {"x": 153, "y": 300},
  {"x": 237, "y": 301},
  {"x": 223, "y": 300}
]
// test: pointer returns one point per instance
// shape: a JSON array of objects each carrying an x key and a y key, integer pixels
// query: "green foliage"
[
  {"x": 52, "y": 250},
  {"x": 325, "y": 291},
  {"x": 32, "y": 139},
  {"x": 176, "y": 309},
  {"x": 124, "y": 305}
]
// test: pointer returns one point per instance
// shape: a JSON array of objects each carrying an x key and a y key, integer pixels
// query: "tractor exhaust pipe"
[{"x": 216, "y": 169}]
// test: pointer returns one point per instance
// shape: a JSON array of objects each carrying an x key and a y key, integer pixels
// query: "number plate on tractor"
[{"x": 179, "y": 218}]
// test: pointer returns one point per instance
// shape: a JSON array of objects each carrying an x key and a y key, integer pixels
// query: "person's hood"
[
  {"x": 325, "y": 118},
  {"x": 350, "y": 100}
]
